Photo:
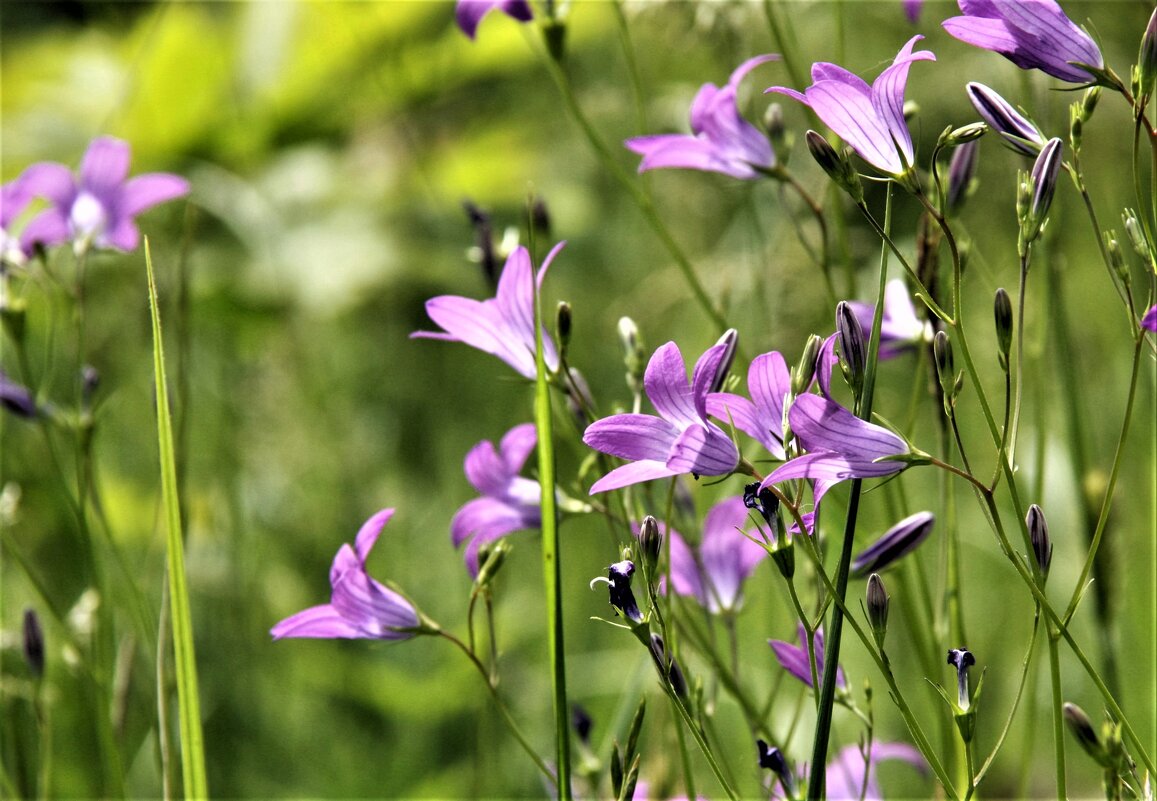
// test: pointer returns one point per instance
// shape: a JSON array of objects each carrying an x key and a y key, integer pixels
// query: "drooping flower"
[
  {"x": 360, "y": 607},
  {"x": 469, "y": 13},
  {"x": 869, "y": 118},
  {"x": 1149, "y": 321},
  {"x": 714, "y": 572},
  {"x": 900, "y": 329},
  {"x": 768, "y": 382},
  {"x": 618, "y": 581},
  {"x": 721, "y": 140},
  {"x": 844, "y": 777},
  {"x": 1033, "y": 34},
  {"x": 1017, "y": 131},
  {"x": 98, "y": 206},
  {"x": 839, "y": 446},
  {"x": 900, "y": 540},
  {"x": 502, "y": 326},
  {"x": 680, "y": 439},
  {"x": 794, "y": 658},
  {"x": 509, "y": 502}
]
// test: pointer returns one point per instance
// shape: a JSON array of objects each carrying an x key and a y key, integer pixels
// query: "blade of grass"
[{"x": 188, "y": 705}]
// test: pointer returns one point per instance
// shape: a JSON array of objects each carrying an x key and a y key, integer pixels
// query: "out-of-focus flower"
[
  {"x": 1033, "y": 34},
  {"x": 680, "y": 439},
  {"x": 794, "y": 659},
  {"x": 16, "y": 398},
  {"x": 1149, "y": 321},
  {"x": 714, "y": 572},
  {"x": 845, "y": 778},
  {"x": 900, "y": 329},
  {"x": 721, "y": 140},
  {"x": 839, "y": 446},
  {"x": 961, "y": 172},
  {"x": 469, "y": 13},
  {"x": 768, "y": 382},
  {"x": 869, "y": 118},
  {"x": 502, "y": 326},
  {"x": 359, "y": 607},
  {"x": 98, "y": 206},
  {"x": 898, "y": 541},
  {"x": 1017, "y": 131},
  {"x": 509, "y": 502},
  {"x": 15, "y": 197},
  {"x": 912, "y": 10}
]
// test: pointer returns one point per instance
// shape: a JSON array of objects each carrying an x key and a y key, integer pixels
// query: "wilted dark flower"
[
  {"x": 619, "y": 583},
  {"x": 962, "y": 659}
]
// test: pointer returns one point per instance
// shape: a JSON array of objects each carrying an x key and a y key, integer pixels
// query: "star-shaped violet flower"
[
  {"x": 714, "y": 572},
  {"x": 98, "y": 206},
  {"x": 502, "y": 326},
  {"x": 721, "y": 140},
  {"x": 794, "y": 658},
  {"x": 1033, "y": 34},
  {"x": 469, "y": 13},
  {"x": 768, "y": 382},
  {"x": 509, "y": 502},
  {"x": 869, "y": 118},
  {"x": 680, "y": 439},
  {"x": 838, "y": 446},
  {"x": 359, "y": 607}
]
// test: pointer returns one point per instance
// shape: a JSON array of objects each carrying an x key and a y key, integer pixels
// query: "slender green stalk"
[
  {"x": 189, "y": 708},
  {"x": 1058, "y": 717},
  {"x": 552, "y": 574}
]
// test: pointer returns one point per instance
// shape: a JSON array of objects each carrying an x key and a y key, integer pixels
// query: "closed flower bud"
[
  {"x": 651, "y": 543},
  {"x": 876, "y": 602},
  {"x": 1082, "y": 729},
  {"x": 1147, "y": 61},
  {"x": 1076, "y": 125},
  {"x": 730, "y": 340},
  {"x": 668, "y": 666},
  {"x": 33, "y": 643},
  {"x": 853, "y": 353},
  {"x": 773, "y": 760},
  {"x": 1038, "y": 534},
  {"x": 1017, "y": 131},
  {"x": 1135, "y": 234},
  {"x": 633, "y": 357},
  {"x": 581, "y": 722},
  {"x": 1043, "y": 185},
  {"x": 805, "y": 369},
  {"x": 1116, "y": 257},
  {"x": 777, "y": 132},
  {"x": 563, "y": 325},
  {"x": 491, "y": 557},
  {"x": 898, "y": 541},
  {"x": 1089, "y": 101},
  {"x": 945, "y": 367},
  {"x": 1002, "y": 313},
  {"x": 837, "y": 166},
  {"x": 961, "y": 173},
  {"x": 954, "y": 137}
]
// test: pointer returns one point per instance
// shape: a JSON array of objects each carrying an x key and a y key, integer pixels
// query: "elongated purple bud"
[
  {"x": 1081, "y": 726},
  {"x": 1043, "y": 181},
  {"x": 33, "y": 643},
  {"x": 900, "y": 540},
  {"x": 838, "y": 167},
  {"x": 876, "y": 602},
  {"x": 1016, "y": 130},
  {"x": 1002, "y": 314},
  {"x": 1038, "y": 535},
  {"x": 1147, "y": 60},
  {"x": 730, "y": 340},
  {"x": 853, "y": 352},
  {"x": 961, "y": 173},
  {"x": 650, "y": 542}
]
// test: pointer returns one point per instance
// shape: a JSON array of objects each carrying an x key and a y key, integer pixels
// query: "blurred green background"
[{"x": 330, "y": 146}]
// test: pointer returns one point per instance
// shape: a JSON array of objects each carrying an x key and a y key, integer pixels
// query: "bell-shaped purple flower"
[
  {"x": 839, "y": 446},
  {"x": 502, "y": 326},
  {"x": 794, "y": 658},
  {"x": 721, "y": 140},
  {"x": 768, "y": 382},
  {"x": 869, "y": 118},
  {"x": 469, "y": 13},
  {"x": 97, "y": 207},
  {"x": 1033, "y": 34},
  {"x": 900, "y": 540},
  {"x": 850, "y": 776},
  {"x": 900, "y": 329},
  {"x": 359, "y": 607},
  {"x": 509, "y": 502},
  {"x": 681, "y": 439},
  {"x": 714, "y": 572}
]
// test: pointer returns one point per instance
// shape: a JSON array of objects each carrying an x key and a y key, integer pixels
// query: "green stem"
[{"x": 1058, "y": 716}]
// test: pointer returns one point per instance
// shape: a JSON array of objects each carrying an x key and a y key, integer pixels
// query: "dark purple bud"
[
  {"x": 773, "y": 760},
  {"x": 1016, "y": 130},
  {"x": 581, "y": 722},
  {"x": 16, "y": 398},
  {"x": 622, "y": 599},
  {"x": 1082, "y": 728},
  {"x": 540, "y": 218},
  {"x": 962, "y": 659},
  {"x": 945, "y": 367},
  {"x": 1043, "y": 181},
  {"x": 899, "y": 540},
  {"x": 961, "y": 173},
  {"x": 853, "y": 353},
  {"x": 876, "y": 602},
  {"x": 1038, "y": 534},
  {"x": 668, "y": 666},
  {"x": 33, "y": 643},
  {"x": 1002, "y": 313},
  {"x": 1147, "y": 60},
  {"x": 563, "y": 322},
  {"x": 650, "y": 542},
  {"x": 838, "y": 167},
  {"x": 729, "y": 340}
]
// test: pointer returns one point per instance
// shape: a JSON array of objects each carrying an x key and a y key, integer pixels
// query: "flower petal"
[
  {"x": 368, "y": 533},
  {"x": 703, "y": 450},
  {"x": 823, "y": 425},
  {"x": 105, "y": 166},
  {"x": 316, "y": 621},
  {"x": 632, "y": 436},
  {"x": 666, "y": 384},
  {"x": 145, "y": 191},
  {"x": 633, "y": 473}
]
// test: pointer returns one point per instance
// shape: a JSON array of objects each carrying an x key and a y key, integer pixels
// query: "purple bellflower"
[
  {"x": 714, "y": 572},
  {"x": 869, "y": 118},
  {"x": 900, "y": 330},
  {"x": 509, "y": 502},
  {"x": 768, "y": 382},
  {"x": 503, "y": 325},
  {"x": 839, "y": 446},
  {"x": 98, "y": 206},
  {"x": 469, "y": 13},
  {"x": 1033, "y": 34},
  {"x": 845, "y": 780},
  {"x": 1149, "y": 321},
  {"x": 721, "y": 140},
  {"x": 680, "y": 439},
  {"x": 359, "y": 607},
  {"x": 794, "y": 658},
  {"x": 900, "y": 540}
]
